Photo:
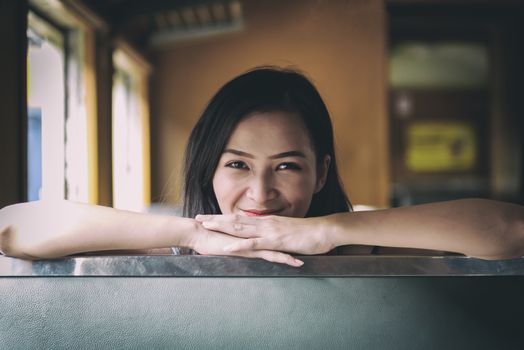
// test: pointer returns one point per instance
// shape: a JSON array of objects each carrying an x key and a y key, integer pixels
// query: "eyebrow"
[{"x": 275, "y": 156}]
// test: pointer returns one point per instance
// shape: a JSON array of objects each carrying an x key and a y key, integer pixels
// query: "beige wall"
[{"x": 339, "y": 44}]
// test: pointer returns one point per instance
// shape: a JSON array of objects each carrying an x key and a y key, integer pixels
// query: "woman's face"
[{"x": 268, "y": 167}]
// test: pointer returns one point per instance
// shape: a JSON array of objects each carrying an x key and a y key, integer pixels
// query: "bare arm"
[
  {"x": 54, "y": 229},
  {"x": 58, "y": 228},
  {"x": 475, "y": 227}
]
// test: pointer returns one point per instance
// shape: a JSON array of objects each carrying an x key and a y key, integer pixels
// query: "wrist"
[
  {"x": 325, "y": 231},
  {"x": 336, "y": 232},
  {"x": 183, "y": 231}
]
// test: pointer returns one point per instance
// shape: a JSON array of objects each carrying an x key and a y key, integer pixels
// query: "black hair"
[{"x": 263, "y": 89}]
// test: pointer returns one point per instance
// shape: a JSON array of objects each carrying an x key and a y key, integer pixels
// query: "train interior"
[{"x": 99, "y": 97}]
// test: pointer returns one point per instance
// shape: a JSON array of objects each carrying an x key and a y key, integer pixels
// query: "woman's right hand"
[{"x": 207, "y": 242}]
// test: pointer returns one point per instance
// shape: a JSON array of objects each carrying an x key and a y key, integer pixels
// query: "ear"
[{"x": 322, "y": 173}]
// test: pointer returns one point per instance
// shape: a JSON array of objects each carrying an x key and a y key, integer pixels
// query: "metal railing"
[{"x": 217, "y": 266}]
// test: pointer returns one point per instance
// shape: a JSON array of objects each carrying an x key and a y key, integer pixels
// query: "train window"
[
  {"x": 131, "y": 189},
  {"x": 46, "y": 109},
  {"x": 80, "y": 141},
  {"x": 62, "y": 156}
]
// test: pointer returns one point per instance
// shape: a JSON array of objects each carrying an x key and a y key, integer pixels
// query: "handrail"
[{"x": 218, "y": 266}]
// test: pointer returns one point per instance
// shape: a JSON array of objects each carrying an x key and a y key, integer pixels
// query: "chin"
[
  {"x": 288, "y": 214},
  {"x": 281, "y": 212}
]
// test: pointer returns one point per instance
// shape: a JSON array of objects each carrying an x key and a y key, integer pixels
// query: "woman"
[{"x": 260, "y": 165}]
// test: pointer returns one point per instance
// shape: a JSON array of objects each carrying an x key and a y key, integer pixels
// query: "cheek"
[
  {"x": 299, "y": 193},
  {"x": 226, "y": 191}
]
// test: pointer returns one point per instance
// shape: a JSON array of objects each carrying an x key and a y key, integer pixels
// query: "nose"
[{"x": 262, "y": 188}]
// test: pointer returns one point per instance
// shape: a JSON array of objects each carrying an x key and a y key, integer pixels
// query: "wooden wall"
[{"x": 339, "y": 44}]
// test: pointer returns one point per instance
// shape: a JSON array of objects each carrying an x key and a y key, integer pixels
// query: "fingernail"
[
  {"x": 299, "y": 263},
  {"x": 198, "y": 217}
]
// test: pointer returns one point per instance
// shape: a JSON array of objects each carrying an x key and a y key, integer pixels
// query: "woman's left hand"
[{"x": 277, "y": 233}]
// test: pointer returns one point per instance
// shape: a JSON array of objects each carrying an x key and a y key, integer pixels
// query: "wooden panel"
[{"x": 104, "y": 81}]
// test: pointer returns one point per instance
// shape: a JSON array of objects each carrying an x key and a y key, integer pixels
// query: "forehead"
[{"x": 271, "y": 133}]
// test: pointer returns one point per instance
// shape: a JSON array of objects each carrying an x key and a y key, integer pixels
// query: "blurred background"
[{"x": 98, "y": 97}]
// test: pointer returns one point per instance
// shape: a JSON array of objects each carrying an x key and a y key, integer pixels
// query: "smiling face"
[{"x": 268, "y": 167}]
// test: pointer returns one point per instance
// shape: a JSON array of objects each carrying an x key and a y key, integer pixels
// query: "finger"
[
  {"x": 204, "y": 217},
  {"x": 279, "y": 257},
  {"x": 271, "y": 256},
  {"x": 248, "y": 244},
  {"x": 226, "y": 218},
  {"x": 232, "y": 228}
]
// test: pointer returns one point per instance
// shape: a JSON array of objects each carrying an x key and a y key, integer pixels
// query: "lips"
[{"x": 255, "y": 212}]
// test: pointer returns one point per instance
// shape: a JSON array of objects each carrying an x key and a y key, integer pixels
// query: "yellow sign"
[{"x": 441, "y": 147}]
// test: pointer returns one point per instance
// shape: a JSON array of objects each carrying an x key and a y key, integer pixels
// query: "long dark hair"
[{"x": 262, "y": 89}]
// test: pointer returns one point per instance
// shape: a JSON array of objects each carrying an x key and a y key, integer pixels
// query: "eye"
[
  {"x": 237, "y": 165},
  {"x": 288, "y": 166}
]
